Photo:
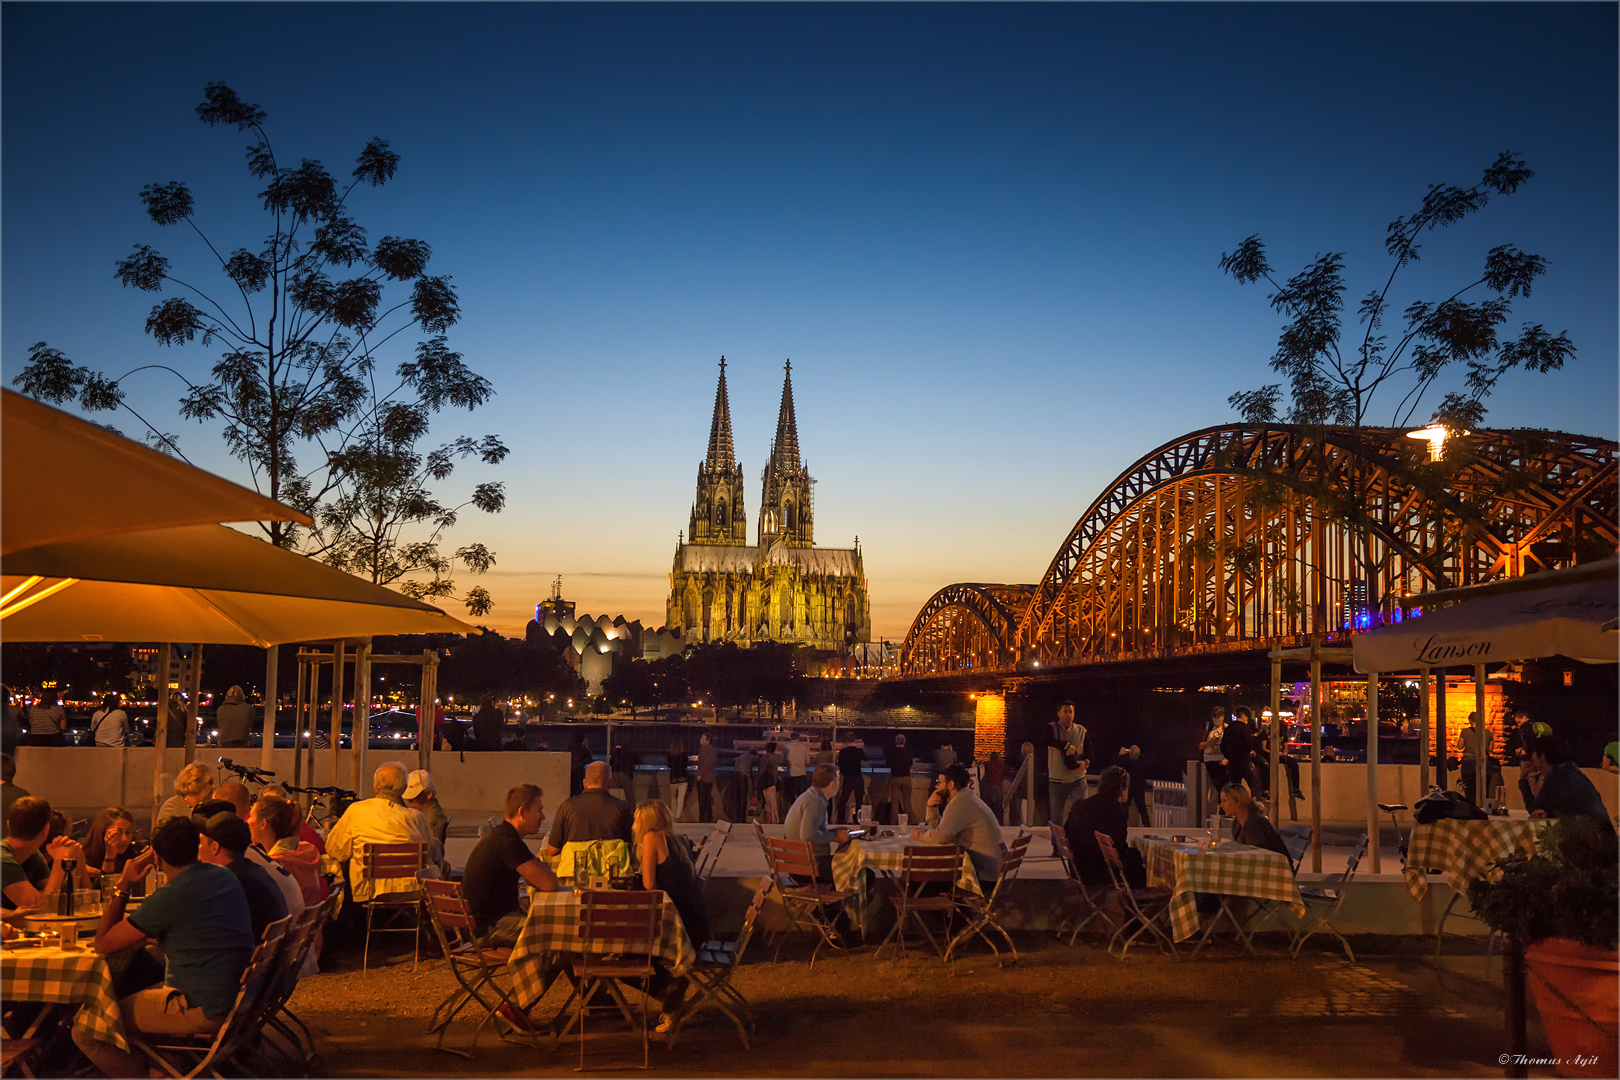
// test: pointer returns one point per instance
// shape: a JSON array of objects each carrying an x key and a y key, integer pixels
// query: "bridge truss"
[{"x": 1241, "y": 537}]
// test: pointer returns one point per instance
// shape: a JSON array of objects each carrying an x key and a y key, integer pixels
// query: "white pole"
[
  {"x": 1482, "y": 776},
  {"x": 1316, "y": 762},
  {"x": 160, "y": 736},
  {"x": 267, "y": 752},
  {"x": 1372, "y": 766},
  {"x": 1423, "y": 735}
]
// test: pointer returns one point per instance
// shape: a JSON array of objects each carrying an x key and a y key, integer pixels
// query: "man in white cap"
[
  {"x": 383, "y": 819},
  {"x": 420, "y": 794}
]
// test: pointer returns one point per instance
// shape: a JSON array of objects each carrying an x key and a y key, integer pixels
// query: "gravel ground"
[{"x": 1060, "y": 1011}]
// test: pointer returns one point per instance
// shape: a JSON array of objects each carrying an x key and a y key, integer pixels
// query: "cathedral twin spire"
[{"x": 718, "y": 516}]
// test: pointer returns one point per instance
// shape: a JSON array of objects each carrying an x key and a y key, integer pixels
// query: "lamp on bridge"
[{"x": 1436, "y": 434}]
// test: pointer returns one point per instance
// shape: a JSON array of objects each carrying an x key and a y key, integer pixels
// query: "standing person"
[
  {"x": 897, "y": 796},
  {"x": 677, "y": 777},
  {"x": 1471, "y": 737},
  {"x": 47, "y": 721},
  {"x": 624, "y": 769},
  {"x": 1129, "y": 758},
  {"x": 234, "y": 719},
  {"x": 994, "y": 783},
  {"x": 109, "y": 725},
  {"x": 489, "y": 724},
  {"x": 579, "y": 757},
  {"x": 742, "y": 782},
  {"x": 945, "y": 756},
  {"x": 1214, "y": 760},
  {"x": 1067, "y": 760},
  {"x": 798, "y": 760},
  {"x": 1022, "y": 789},
  {"x": 708, "y": 759},
  {"x": 768, "y": 768},
  {"x": 1236, "y": 748},
  {"x": 201, "y": 920},
  {"x": 825, "y": 755},
  {"x": 852, "y": 784}
]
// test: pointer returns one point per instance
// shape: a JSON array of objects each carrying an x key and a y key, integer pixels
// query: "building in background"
[
  {"x": 783, "y": 588},
  {"x": 595, "y": 645}
]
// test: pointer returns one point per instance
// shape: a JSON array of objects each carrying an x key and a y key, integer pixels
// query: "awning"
[{"x": 1562, "y": 620}]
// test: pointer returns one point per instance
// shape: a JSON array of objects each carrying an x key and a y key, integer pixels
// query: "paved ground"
[{"x": 1060, "y": 1012}]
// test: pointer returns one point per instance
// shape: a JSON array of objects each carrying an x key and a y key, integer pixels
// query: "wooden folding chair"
[
  {"x": 716, "y": 961},
  {"x": 811, "y": 906},
  {"x": 924, "y": 868},
  {"x": 1322, "y": 904},
  {"x": 393, "y": 862},
  {"x": 630, "y": 923},
  {"x": 1089, "y": 905},
  {"x": 474, "y": 966},
  {"x": 1297, "y": 839},
  {"x": 981, "y": 911},
  {"x": 708, "y": 853},
  {"x": 1146, "y": 907},
  {"x": 240, "y": 1026}
]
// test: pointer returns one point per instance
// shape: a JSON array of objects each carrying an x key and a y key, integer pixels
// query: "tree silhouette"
[{"x": 302, "y": 321}]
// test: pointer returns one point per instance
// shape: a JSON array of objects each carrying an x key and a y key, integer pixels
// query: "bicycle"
[
  {"x": 337, "y": 801},
  {"x": 247, "y": 773}
]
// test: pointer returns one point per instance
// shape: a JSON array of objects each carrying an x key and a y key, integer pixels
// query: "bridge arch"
[
  {"x": 967, "y": 626},
  {"x": 1235, "y": 536}
]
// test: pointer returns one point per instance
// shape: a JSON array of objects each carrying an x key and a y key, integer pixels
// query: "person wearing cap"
[
  {"x": 420, "y": 794},
  {"x": 201, "y": 919},
  {"x": 382, "y": 819},
  {"x": 224, "y": 842},
  {"x": 956, "y": 815}
]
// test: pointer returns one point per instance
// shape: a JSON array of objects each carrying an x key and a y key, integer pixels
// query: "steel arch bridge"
[{"x": 1241, "y": 537}]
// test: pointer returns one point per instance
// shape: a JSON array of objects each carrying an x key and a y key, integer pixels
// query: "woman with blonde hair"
[
  {"x": 191, "y": 789},
  {"x": 666, "y": 865}
]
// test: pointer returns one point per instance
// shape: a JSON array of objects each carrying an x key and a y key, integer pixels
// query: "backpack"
[{"x": 1439, "y": 805}]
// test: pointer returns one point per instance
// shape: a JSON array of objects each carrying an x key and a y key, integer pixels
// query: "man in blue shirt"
[
  {"x": 807, "y": 820},
  {"x": 201, "y": 919}
]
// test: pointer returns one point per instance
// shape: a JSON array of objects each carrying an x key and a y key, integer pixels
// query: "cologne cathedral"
[{"x": 782, "y": 588}]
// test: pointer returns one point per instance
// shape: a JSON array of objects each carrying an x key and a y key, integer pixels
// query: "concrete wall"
[
  {"x": 1344, "y": 791},
  {"x": 84, "y": 777}
]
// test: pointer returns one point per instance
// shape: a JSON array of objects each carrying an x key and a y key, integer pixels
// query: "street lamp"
[{"x": 1436, "y": 435}]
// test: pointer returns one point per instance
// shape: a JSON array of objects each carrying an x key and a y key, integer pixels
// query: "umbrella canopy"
[
  {"x": 202, "y": 583},
  {"x": 1562, "y": 620},
  {"x": 66, "y": 479}
]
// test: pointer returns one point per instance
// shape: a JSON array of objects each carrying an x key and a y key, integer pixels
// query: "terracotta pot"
[{"x": 1588, "y": 979}]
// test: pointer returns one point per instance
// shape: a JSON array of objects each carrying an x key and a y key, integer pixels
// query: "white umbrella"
[
  {"x": 1563, "y": 620},
  {"x": 66, "y": 479},
  {"x": 202, "y": 583}
]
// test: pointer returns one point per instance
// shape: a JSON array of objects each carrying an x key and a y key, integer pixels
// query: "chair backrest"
[
  {"x": 1060, "y": 848},
  {"x": 756, "y": 908},
  {"x": 708, "y": 855},
  {"x": 1111, "y": 859},
  {"x": 1297, "y": 839},
  {"x": 630, "y": 921},
  {"x": 1353, "y": 862},
  {"x": 789, "y": 856},
  {"x": 257, "y": 984},
  {"x": 921, "y": 864},
  {"x": 385, "y": 862},
  {"x": 448, "y": 913},
  {"x": 1012, "y": 858}
]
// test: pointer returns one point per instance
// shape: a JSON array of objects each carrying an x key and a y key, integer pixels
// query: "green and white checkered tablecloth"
[
  {"x": 59, "y": 977},
  {"x": 1231, "y": 869},
  {"x": 1465, "y": 850},
  {"x": 552, "y": 926}
]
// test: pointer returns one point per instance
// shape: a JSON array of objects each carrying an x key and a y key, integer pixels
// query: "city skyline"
[{"x": 987, "y": 238}]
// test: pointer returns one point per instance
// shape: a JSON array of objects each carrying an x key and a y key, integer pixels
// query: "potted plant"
[{"x": 1562, "y": 905}]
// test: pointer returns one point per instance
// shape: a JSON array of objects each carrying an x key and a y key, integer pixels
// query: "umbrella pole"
[
  {"x": 337, "y": 714},
  {"x": 298, "y": 721},
  {"x": 1372, "y": 767},
  {"x": 1423, "y": 733},
  {"x": 1278, "y": 746},
  {"x": 1482, "y": 745},
  {"x": 1316, "y": 762},
  {"x": 1441, "y": 743},
  {"x": 361, "y": 739},
  {"x": 160, "y": 737},
  {"x": 195, "y": 703},
  {"x": 267, "y": 752}
]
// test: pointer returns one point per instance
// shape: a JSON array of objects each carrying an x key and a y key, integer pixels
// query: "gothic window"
[
  {"x": 720, "y": 514},
  {"x": 708, "y": 611},
  {"x": 790, "y": 516},
  {"x": 689, "y": 616}
]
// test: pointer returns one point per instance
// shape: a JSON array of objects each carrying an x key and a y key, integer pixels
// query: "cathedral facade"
[{"x": 782, "y": 587}]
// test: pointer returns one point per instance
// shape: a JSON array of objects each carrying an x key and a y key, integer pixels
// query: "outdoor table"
[
  {"x": 1229, "y": 869},
  {"x": 1465, "y": 850},
  {"x": 60, "y": 976},
  {"x": 887, "y": 857},
  {"x": 552, "y": 926}
]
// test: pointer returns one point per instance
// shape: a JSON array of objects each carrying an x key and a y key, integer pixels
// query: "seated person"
[
  {"x": 667, "y": 867},
  {"x": 807, "y": 820},
  {"x": 201, "y": 920},
  {"x": 420, "y": 794},
  {"x": 224, "y": 842},
  {"x": 306, "y": 831},
  {"x": 1564, "y": 789},
  {"x": 274, "y": 825},
  {"x": 593, "y": 814},
  {"x": 501, "y": 864},
  {"x": 1106, "y": 812},
  {"x": 191, "y": 789},
  {"x": 283, "y": 880},
  {"x": 25, "y": 876},
  {"x": 382, "y": 819},
  {"x": 1611, "y": 758},
  {"x": 49, "y": 858},
  {"x": 110, "y": 843},
  {"x": 956, "y": 815}
]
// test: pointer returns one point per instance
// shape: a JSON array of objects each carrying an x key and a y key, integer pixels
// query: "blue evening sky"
[{"x": 987, "y": 236}]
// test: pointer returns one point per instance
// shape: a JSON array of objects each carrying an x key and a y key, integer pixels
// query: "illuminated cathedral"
[{"x": 781, "y": 588}]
